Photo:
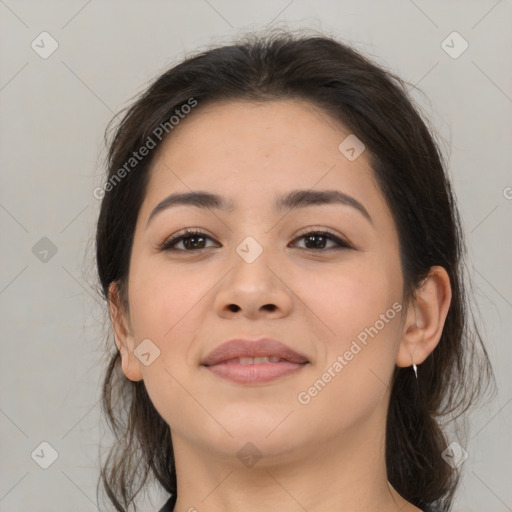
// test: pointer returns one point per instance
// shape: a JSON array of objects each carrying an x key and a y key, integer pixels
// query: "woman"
[{"x": 281, "y": 254}]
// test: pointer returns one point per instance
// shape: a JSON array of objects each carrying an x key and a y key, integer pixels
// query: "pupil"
[
  {"x": 187, "y": 240},
  {"x": 316, "y": 238}
]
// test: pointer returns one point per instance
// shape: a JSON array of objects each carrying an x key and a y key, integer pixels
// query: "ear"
[
  {"x": 425, "y": 318},
  {"x": 123, "y": 334}
]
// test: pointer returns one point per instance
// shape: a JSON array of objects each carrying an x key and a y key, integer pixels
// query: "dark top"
[{"x": 169, "y": 505}]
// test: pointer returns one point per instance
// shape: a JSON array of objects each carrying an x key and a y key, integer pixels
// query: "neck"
[{"x": 344, "y": 473}]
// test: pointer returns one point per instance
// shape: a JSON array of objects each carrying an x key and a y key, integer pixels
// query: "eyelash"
[{"x": 169, "y": 244}]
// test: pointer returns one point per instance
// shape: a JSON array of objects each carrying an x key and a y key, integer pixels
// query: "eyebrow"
[{"x": 292, "y": 200}]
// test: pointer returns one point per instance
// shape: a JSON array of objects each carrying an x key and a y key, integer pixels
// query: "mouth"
[
  {"x": 258, "y": 370},
  {"x": 254, "y": 362}
]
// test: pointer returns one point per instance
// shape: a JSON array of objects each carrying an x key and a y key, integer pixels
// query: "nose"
[{"x": 254, "y": 288}]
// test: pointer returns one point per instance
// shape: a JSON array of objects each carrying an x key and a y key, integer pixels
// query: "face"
[{"x": 257, "y": 271}]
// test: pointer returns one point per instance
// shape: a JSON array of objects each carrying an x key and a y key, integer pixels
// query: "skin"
[{"x": 325, "y": 455}]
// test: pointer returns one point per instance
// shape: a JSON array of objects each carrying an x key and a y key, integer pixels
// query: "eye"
[
  {"x": 191, "y": 238},
  {"x": 316, "y": 240}
]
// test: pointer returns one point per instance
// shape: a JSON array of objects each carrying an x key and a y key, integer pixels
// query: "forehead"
[
  {"x": 278, "y": 128},
  {"x": 251, "y": 152}
]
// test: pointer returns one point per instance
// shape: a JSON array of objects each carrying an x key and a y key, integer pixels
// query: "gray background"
[{"x": 54, "y": 112}]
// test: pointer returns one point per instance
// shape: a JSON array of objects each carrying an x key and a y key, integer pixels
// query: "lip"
[{"x": 219, "y": 360}]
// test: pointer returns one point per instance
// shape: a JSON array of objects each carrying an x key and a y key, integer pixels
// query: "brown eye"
[
  {"x": 192, "y": 240},
  {"x": 317, "y": 240},
  {"x": 195, "y": 240}
]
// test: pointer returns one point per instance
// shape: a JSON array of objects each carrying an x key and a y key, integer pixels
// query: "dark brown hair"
[{"x": 375, "y": 105}]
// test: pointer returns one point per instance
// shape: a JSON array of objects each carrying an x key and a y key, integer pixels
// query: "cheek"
[
  {"x": 166, "y": 308},
  {"x": 347, "y": 299},
  {"x": 163, "y": 300},
  {"x": 356, "y": 360},
  {"x": 358, "y": 311}
]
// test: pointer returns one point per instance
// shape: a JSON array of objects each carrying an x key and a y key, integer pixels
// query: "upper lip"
[{"x": 244, "y": 347}]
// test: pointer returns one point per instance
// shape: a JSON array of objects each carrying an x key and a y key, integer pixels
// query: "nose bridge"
[
  {"x": 253, "y": 235},
  {"x": 251, "y": 284},
  {"x": 251, "y": 261}
]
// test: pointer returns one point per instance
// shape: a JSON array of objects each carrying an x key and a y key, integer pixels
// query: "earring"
[{"x": 415, "y": 368}]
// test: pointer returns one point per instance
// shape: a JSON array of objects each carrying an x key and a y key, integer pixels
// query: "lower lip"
[{"x": 255, "y": 373}]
